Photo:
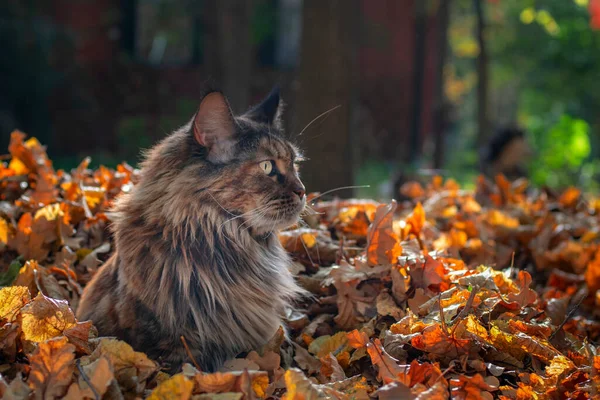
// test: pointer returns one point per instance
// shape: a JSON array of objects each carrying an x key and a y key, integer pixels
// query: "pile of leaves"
[{"x": 491, "y": 293}]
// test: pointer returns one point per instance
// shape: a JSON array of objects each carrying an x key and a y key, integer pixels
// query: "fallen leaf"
[
  {"x": 12, "y": 299},
  {"x": 176, "y": 388},
  {"x": 130, "y": 367},
  {"x": 98, "y": 375},
  {"x": 45, "y": 318},
  {"x": 383, "y": 245},
  {"x": 52, "y": 368}
]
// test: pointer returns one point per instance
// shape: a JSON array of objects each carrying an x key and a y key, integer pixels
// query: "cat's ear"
[
  {"x": 269, "y": 110},
  {"x": 214, "y": 127}
]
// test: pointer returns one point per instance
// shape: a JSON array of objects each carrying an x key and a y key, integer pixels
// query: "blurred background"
[{"x": 378, "y": 88}]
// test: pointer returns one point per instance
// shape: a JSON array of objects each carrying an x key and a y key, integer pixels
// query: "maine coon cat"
[{"x": 197, "y": 254}]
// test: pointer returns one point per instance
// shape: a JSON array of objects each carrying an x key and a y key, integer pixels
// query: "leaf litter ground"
[{"x": 491, "y": 293}]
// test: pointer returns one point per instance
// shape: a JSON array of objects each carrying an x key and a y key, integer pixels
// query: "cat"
[
  {"x": 506, "y": 153},
  {"x": 196, "y": 247}
]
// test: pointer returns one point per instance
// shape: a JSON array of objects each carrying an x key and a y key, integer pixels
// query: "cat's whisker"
[
  {"x": 318, "y": 117},
  {"x": 248, "y": 213},
  {"x": 216, "y": 201},
  {"x": 308, "y": 210},
  {"x": 339, "y": 188}
]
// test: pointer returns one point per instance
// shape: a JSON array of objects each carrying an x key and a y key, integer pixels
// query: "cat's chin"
[{"x": 276, "y": 225}]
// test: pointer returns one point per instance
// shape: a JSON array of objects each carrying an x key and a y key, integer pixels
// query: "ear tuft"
[
  {"x": 214, "y": 127},
  {"x": 269, "y": 110}
]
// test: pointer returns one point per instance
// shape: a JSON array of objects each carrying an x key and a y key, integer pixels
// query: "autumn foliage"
[{"x": 482, "y": 294}]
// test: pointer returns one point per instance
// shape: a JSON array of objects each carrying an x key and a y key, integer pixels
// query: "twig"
[
  {"x": 569, "y": 314},
  {"x": 467, "y": 308},
  {"x": 86, "y": 379},
  {"x": 189, "y": 353}
]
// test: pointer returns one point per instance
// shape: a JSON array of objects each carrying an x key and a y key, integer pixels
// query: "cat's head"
[{"x": 250, "y": 169}]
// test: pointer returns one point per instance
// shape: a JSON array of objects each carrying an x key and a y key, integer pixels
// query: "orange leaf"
[
  {"x": 383, "y": 246},
  {"x": 417, "y": 219},
  {"x": 52, "y": 368},
  {"x": 570, "y": 197}
]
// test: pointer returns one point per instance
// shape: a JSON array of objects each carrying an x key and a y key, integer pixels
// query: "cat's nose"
[{"x": 300, "y": 191}]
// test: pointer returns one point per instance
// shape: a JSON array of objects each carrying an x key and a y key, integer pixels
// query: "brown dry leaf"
[
  {"x": 80, "y": 334},
  {"x": 400, "y": 283},
  {"x": 429, "y": 275},
  {"x": 10, "y": 341},
  {"x": 37, "y": 278},
  {"x": 12, "y": 299},
  {"x": 306, "y": 361},
  {"x": 99, "y": 374},
  {"x": 387, "y": 306},
  {"x": 15, "y": 390},
  {"x": 331, "y": 369},
  {"x": 45, "y": 318},
  {"x": 387, "y": 366},
  {"x": 394, "y": 391},
  {"x": 131, "y": 368},
  {"x": 268, "y": 362},
  {"x": 176, "y": 388},
  {"x": 274, "y": 344},
  {"x": 52, "y": 368},
  {"x": 383, "y": 245},
  {"x": 526, "y": 296}
]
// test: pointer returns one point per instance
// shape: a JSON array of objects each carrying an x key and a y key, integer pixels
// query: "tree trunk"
[
  {"x": 482, "y": 77},
  {"x": 418, "y": 76},
  {"x": 229, "y": 49},
  {"x": 440, "y": 103},
  {"x": 325, "y": 78}
]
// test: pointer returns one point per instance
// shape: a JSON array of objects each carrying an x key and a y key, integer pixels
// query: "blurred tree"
[
  {"x": 440, "y": 104},
  {"x": 483, "y": 125},
  {"x": 420, "y": 11},
  {"x": 236, "y": 50},
  {"x": 326, "y": 72},
  {"x": 553, "y": 54}
]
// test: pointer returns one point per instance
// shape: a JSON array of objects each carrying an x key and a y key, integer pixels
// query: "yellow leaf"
[
  {"x": 18, "y": 167},
  {"x": 12, "y": 298},
  {"x": 259, "y": 385},
  {"x": 309, "y": 240},
  {"x": 299, "y": 387},
  {"x": 45, "y": 318},
  {"x": 498, "y": 218},
  {"x": 50, "y": 212},
  {"x": 329, "y": 344},
  {"x": 559, "y": 365},
  {"x": 4, "y": 231},
  {"x": 131, "y": 367},
  {"x": 176, "y": 388},
  {"x": 93, "y": 195}
]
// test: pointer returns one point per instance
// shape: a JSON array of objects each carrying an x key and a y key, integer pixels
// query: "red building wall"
[{"x": 387, "y": 62}]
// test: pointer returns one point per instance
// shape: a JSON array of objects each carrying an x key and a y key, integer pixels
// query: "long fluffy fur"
[{"x": 186, "y": 266}]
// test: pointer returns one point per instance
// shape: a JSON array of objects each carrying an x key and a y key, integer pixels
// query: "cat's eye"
[{"x": 267, "y": 167}]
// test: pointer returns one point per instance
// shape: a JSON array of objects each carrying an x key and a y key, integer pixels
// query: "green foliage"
[
  {"x": 545, "y": 57},
  {"x": 563, "y": 152},
  {"x": 9, "y": 276}
]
